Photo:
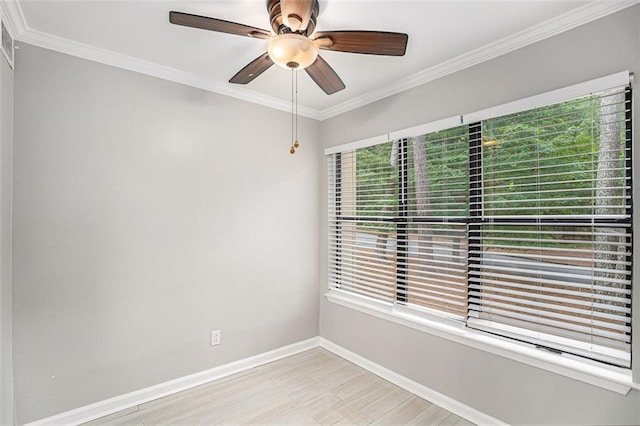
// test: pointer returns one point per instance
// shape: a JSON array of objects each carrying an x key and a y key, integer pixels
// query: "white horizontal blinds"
[
  {"x": 363, "y": 201},
  {"x": 434, "y": 266},
  {"x": 551, "y": 252},
  {"x": 438, "y": 165},
  {"x": 549, "y": 161}
]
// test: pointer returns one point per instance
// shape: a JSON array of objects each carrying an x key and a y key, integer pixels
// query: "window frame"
[
  {"x": 479, "y": 219},
  {"x": 617, "y": 379}
]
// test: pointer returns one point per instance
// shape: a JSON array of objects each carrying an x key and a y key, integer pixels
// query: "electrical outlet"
[{"x": 215, "y": 337}]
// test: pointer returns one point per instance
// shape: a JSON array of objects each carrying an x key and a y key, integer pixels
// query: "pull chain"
[
  {"x": 292, "y": 150},
  {"x": 296, "y": 144},
  {"x": 294, "y": 112}
]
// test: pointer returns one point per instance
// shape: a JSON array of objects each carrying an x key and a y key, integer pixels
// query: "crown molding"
[
  {"x": 591, "y": 11},
  {"x": 13, "y": 18},
  {"x": 567, "y": 21},
  {"x": 21, "y": 32},
  {"x": 70, "y": 47}
]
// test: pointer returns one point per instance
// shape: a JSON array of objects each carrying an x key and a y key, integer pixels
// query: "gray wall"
[
  {"x": 6, "y": 147},
  {"x": 147, "y": 214},
  {"x": 508, "y": 390}
]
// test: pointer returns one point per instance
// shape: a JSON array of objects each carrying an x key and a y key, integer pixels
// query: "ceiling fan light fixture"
[{"x": 292, "y": 51}]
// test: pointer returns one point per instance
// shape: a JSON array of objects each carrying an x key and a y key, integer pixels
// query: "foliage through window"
[{"x": 518, "y": 225}]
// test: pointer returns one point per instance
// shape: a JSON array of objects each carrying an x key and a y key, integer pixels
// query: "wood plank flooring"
[{"x": 312, "y": 387}]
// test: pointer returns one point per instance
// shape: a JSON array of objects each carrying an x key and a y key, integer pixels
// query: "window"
[{"x": 517, "y": 225}]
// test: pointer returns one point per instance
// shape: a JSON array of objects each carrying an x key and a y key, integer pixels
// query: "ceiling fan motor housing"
[{"x": 278, "y": 22}]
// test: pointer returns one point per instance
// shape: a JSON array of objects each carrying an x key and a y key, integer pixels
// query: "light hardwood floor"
[{"x": 312, "y": 387}]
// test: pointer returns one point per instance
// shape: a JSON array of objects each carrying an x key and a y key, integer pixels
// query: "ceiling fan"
[{"x": 295, "y": 45}]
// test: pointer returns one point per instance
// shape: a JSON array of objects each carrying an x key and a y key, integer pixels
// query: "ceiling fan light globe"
[{"x": 287, "y": 50}]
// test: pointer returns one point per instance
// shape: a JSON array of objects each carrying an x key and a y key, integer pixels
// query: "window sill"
[{"x": 607, "y": 377}]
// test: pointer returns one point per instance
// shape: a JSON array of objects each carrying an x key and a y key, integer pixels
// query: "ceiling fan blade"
[
  {"x": 325, "y": 76},
  {"x": 296, "y": 13},
  {"x": 367, "y": 42},
  {"x": 219, "y": 25},
  {"x": 252, "y": 70}
]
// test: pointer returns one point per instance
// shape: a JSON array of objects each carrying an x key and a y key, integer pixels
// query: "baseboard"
[
  {"x": 418, "y": 389},
  {"x": 122, "y": 402}
]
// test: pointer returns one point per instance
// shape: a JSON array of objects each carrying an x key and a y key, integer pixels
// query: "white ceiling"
[{"x": 444, "y": 36}]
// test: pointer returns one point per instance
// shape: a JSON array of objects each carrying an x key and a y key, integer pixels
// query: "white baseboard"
[
  {"x": 449, "y": 404},
  {"x": 122, "y": 402}
]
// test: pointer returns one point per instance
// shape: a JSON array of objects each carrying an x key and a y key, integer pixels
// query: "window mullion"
[
  {"x": 474, "y": 227},
  {"x": 402, "y": 255},
  {"x": 629, "y": 181},
  {"x": 338, "y": 213},
  {"x": 628, "y": 145}
]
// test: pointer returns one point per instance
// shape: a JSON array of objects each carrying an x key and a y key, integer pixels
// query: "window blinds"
[
  {"x": 519, "y": 225},
  {"x": 398, "y": 221},
  {"x": 550, "y": 238},
  {"x": 434, "y": 267},
  {"x": 363, "y": 201}
]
